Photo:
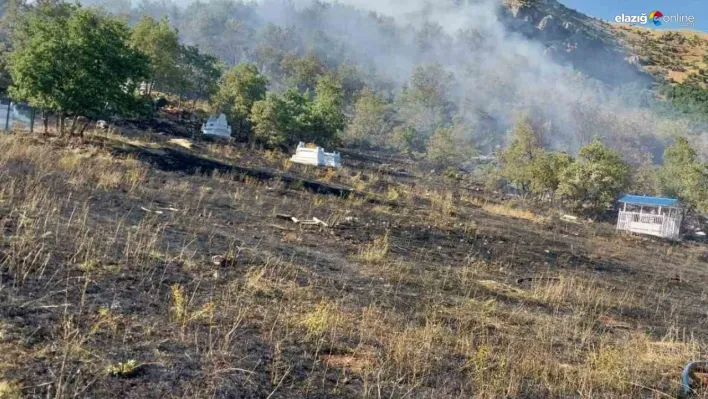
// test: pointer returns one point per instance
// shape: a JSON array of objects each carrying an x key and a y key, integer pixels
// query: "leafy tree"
[
  {"x": 645, "y": 177},
  {"x": 520, "y": 154},
  {"x": 423, "y": 105},
  {"x": 281, "y": 120},
  {"x": 160, "y": 42},
  {"x": 240, "y": 88},
  {"x": 683, "y": 176},
  {"x": 594, "y": 181},
  {"x": 449, "y": 145},
  {"x": 303, "y": 72},
  {"x": 74, "y": 61},
  {"x": 326, "y": 115},
  {"x": 546, "y": 170},
  {"x": 199, "y": 73},
  {"x": 369, "y": 123}
]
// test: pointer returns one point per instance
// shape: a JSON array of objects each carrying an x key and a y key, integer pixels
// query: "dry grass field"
[{"x": 109, "y": 288}]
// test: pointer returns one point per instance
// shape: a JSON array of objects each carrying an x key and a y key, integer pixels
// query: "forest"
[{"x": 334, "y": 74}]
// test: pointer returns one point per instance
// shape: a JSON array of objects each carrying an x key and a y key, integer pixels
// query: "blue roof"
[{"x": 652, "y": 201}]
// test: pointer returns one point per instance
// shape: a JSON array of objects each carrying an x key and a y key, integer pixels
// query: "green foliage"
[
  {"x": 595, "y": 180},
  {"x": 645, "y": 178},
  {"x": 199, "y": 73},
  {"x": 326, "y": 115},
  {"x": 369, "y": 123},
  {"x": 240, "y": 88},
  {"x": 279, "y": 120},
  {"x": 160, "y": 42},
  {"x": 406, "y": 139},
  {"x": 449, "y": 146},
  {"x": 520, "y": 154},
  {"x": 302, "y": 72},
  {"x": 688, "y": 98},
  {"x": 683, "y": 176},
  {"x": 285, "y": 119},
  {"x": 423, "y": 105},
  {"x": 546, "y": 169},
  {"x": 74, "y": 60}
]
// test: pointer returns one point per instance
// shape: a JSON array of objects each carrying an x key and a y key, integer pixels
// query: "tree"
[
  {"x": 74, "y": 61},
  {"x": 200, "y": 73},
  {"x": 240, "y": 88},
  {"x": 326, "y": 117},
  {"x": 281, "y": 120},
  {"x": 520, "y": 154},
  {"x": 303, "y": 72},
  {"x": 369, "y": 123},
  {"x": 645, "y": 177},
  {"x": 160, "y": 42},
  {"x": 546, "y": 170},
  {"x": 449, "y": 145},
  {"x": 594, "y": 181},
  {"x": 684, "y": 177},
  {"x": 423, "y": 104}
]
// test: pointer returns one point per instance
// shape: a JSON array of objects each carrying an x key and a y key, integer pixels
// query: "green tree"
[
  {"x": 595, "y": 180},
  {"x": 519, "y": 155},
  {"x": 326, "y": 117},
  {"x": 645, "y": 177},
  {"x": 369, "y": 123},
  {"x": 449, "y": 145},
  {"x": 423, "y": 104},
  {"x": 200, "y": 73},
  {"x": 303, "y": 72},
  {"x": 683, "y": 176},
  {"x": 240, "y": 88},
  {"x": 74, "y": 61},
  {"x": 546, "y": 170},
  {"x": 160, "y": 42},
  {"x": 281, "y": 120}
]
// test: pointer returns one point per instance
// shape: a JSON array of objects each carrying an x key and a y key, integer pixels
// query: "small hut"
[{"x": 650, "y": 215}]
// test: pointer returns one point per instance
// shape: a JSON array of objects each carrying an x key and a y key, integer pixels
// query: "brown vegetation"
[{"x": 108, "y": 288}]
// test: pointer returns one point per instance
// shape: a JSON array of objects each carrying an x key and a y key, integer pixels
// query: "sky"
[{"x": 608, "y": 9}]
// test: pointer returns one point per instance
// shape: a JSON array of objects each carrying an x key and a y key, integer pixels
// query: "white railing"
[{"x": 658, "y": 225}]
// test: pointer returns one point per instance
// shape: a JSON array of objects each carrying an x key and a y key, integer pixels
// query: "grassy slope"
[
  {"x": 674, "y": 55},
  {"x": 412, "y": 294}
]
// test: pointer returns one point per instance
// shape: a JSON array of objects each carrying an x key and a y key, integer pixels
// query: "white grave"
[
  {"x": 217, "y": 127},
  {"x": 316, "y": 156}
]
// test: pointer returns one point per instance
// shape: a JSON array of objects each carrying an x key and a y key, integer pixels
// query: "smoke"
[{"x": 574, "y": 88}]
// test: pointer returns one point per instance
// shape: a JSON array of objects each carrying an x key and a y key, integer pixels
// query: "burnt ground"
[{"x": 107, "y": 249}]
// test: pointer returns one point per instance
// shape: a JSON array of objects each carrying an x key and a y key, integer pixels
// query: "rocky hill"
[{"x": 613, "y": 53}]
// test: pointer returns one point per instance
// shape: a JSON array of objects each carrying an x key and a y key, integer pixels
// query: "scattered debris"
[
  {"x": 124, "y": 370},
  {"x": 522, "y": 280},
  {"x": 150, "y": 211},
  {"x": 570, "y": 219},
  {"x": 307, "y": 155},
  {"x": 223, "y": 261},
  {"x": 312, "y": 222},
  {"x": 101, "y": 124}
]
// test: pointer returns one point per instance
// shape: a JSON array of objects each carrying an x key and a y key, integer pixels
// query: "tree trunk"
[
  {"x": 62, "y": 120},
  {"x": 45, "y": 122},
  {"x": 73, "y": 125},
  {"x": 83, "y": 128}
]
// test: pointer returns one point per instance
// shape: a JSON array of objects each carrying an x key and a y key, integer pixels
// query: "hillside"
[
  {"x": 136, "y": 266},
  {"x": 676, "y": 56}
]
